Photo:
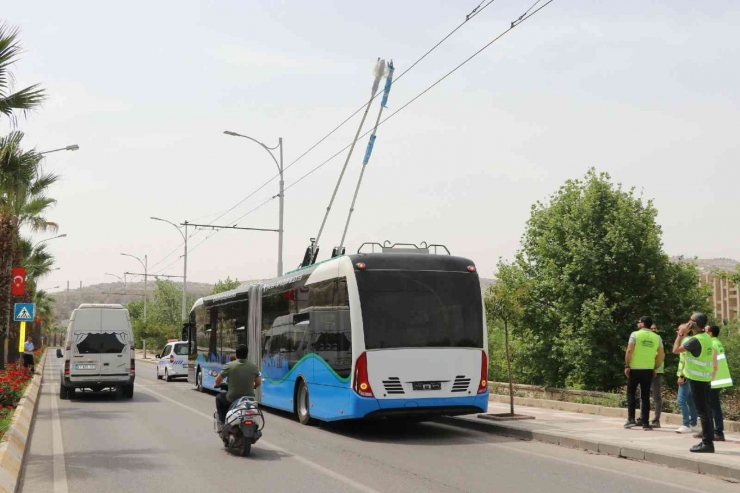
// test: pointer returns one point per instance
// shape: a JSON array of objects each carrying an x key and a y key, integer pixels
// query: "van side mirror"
[
  {"x": 158, "y": 356},
  {"x": 59, "y": 353}
]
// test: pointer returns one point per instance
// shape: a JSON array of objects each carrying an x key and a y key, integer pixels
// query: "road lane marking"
[
  {"x": 323, "y": 470},
  {"x": 59, "y": 464}
]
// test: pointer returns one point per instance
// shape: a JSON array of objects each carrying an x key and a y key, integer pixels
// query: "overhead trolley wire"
[{"x": 527, "y": 15}]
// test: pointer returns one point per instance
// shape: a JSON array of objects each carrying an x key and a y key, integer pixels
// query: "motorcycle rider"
[{"x": 244, "y": 378}]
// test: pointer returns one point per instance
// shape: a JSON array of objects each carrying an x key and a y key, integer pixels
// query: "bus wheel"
[
  {"x": 303, "y": 404},
  {"x": 199, "y": 381}
]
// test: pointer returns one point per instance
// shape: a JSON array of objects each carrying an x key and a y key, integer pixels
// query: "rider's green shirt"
[{"x": 241, "y": 374}]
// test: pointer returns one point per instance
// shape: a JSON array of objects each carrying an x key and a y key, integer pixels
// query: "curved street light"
[
  {"x": 185, "y": 264},
  {"x": 48, "y": 239},
  {"x": 143, "y": 264},
  {"x": 282, "y": 184},
  {"x": 73, "y": 147}
]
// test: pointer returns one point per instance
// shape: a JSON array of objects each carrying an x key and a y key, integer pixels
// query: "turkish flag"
[{"x": 18, "y": 287}]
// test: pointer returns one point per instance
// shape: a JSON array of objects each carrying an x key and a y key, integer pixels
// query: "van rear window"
[
  {"x": 97, "y": 343},
  {"x": 181, "y": 349}
]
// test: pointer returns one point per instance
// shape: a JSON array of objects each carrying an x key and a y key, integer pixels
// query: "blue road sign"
[{"x": 24, "y": 312}]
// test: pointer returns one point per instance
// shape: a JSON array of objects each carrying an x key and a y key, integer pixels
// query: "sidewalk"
[
  {"x": 606, "y": 435},
  {"x": 139, "y": 355}
]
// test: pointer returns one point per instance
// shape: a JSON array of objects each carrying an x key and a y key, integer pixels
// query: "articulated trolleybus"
[{"x": 395, "y": 332}]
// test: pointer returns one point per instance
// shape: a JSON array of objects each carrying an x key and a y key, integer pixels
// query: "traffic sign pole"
[{"x": 22, "y": 338}]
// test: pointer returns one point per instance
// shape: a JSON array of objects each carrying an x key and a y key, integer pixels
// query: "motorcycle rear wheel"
[{"x": 246, "y": 447}]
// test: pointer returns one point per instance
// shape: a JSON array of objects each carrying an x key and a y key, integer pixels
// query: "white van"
[
  {"x": 173, "y": 361},
  {"x": 99, "y": 351}
]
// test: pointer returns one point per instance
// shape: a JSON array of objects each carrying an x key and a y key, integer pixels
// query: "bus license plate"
[
  {"x": 84, "y": 367},
  {"x": 427, "y": 385}
]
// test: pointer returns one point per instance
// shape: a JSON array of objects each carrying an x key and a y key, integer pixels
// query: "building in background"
[{"x": 725, "y": 297}]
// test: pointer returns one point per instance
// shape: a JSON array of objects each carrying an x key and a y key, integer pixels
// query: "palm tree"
[
  {"x": 22, "y": 202},
  {"x": 24, "y": 100},
  {"x": 45, "y": 310},
  {"x": 38, "y": 262}
]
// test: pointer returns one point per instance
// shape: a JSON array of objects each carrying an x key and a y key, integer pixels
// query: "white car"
[{"x": 173, "y": 362}]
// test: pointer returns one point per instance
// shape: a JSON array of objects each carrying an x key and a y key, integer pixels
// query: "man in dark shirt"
[{"x": 700, "y": 370}]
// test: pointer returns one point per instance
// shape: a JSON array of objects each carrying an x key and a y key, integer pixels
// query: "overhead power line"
[
  {"x": 514, "y": 24},
  {"x": 476, "y": 11}
]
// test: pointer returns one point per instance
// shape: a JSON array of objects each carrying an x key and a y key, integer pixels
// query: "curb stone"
[
  {"x": 15, "y": 441},
  {"x": 606, "y": 448},
  {"x": 609, "y": 412}
]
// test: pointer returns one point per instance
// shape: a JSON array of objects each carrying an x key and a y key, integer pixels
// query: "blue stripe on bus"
[{"x": 331, "y": 396}]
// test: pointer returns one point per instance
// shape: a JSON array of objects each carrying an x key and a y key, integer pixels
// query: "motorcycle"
[{"x": 243, "y": 426}]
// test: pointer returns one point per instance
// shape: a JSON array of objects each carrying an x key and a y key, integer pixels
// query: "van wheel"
[
  {"x": 159, "y": 377},
  {"x": 128, "y": 391},
  {"x": 303, "y": 404},
  {"x": 167, "y": 377},
  {"x": 62, "y": 391},
  {"x": 199, "y": 381}
]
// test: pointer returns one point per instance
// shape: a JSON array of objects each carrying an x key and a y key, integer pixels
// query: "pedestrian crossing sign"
[{"x": 24, "y": 312}]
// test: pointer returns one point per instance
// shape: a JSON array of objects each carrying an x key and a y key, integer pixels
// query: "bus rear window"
[{"x": 412, "y": 309}]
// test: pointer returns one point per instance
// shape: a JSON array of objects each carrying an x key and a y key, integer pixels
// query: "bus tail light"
[
  {"x": 66, "y": 367},
  {"x": 362, "y": 384},
  {"x": 483, "y": 384}
]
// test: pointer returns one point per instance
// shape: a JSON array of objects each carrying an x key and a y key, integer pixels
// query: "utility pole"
[
  {"x": 144, "y": 264},
  {"x": 185, "y": 264},
  {"x": 282, "y": 191}
]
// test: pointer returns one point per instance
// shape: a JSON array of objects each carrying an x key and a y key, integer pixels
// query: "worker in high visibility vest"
[
  {"x": 700, "y": 369},
  {"x": 721, "y": 380},
  {"x": 644, "y": 356}
]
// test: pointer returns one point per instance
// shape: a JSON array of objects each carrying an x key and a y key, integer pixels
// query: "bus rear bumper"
[{"x": 371, "y": 408}]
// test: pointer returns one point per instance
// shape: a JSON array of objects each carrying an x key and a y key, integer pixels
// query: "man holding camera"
[
  {"x": 700, "y": 369},
  {"x": 644, "y": 356}
]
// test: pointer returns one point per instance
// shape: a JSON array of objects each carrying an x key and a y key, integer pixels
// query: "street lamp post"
[
  {"x": 143, "y": 264},
  {"x": 72, "y": 147},
  {"x": 282, "y": 194},
  {"x": 185, "y": 266}
]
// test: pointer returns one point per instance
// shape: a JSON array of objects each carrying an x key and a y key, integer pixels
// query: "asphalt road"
[{"x": 163, "y": 440}]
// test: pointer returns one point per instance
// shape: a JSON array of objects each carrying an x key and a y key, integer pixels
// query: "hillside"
[
  {"x": 114, "y": 292},
  {"x": 66, "y": 301},
  {"x": 709, "y": 265}
]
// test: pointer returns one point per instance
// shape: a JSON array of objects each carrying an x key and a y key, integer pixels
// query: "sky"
[{"x": 646, "y": 91}]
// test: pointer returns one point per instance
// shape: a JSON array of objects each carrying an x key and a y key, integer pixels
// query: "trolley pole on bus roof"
[{"x": 378, "y": 72}]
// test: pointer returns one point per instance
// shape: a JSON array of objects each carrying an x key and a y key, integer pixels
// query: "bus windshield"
[{"x": 412, "y": 309}]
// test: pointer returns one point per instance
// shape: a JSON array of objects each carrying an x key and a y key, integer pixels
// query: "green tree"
[
  {"x": 45, "y": 310},
  {"x": 38, "y": 262},
  {"x": 504, "y": 302},
  {"x": 22, "y": 203},
  {"x": 225, "y": 285},
  {"x": 593, "y": 261},
  {"x": 24, "y": 100},
  {"x": 163, "y": 315}
]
